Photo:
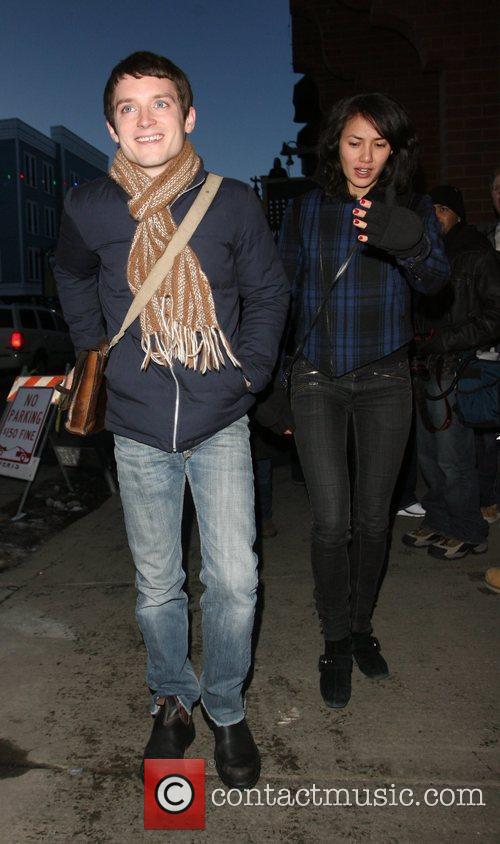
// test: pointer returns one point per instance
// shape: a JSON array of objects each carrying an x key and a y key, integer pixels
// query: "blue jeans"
[
  {"x": 219, "y": 472},
  {"x": 349, "y": 540},
  {"x": 447, "y": 461}
]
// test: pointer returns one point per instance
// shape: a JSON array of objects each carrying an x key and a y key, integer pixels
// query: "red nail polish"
[
  {"x": 356, "y": 211},
  {"x": 362, "y": 201},
  {"x": 356, "y": 222}
]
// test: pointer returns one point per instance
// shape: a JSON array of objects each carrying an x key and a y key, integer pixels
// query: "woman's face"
[{"x": 363, "y": 154}]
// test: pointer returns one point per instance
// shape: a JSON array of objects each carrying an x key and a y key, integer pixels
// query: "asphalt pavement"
[{"x": 415, "y": 755}]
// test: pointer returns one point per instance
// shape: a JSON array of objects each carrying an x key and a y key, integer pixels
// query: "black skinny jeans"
[{"x": 348, "y": 549}]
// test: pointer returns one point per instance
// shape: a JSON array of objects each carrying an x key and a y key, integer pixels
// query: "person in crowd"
[
  {"x": 354, "y": 368},
  {"x": 487, "y": 444},
  {"x": 271, "y": 424},
  {"x": 179, "y": 384},
  {"x": 492, "y": 228},
  {"x": 463, "y": 318},
  {"x": 405, "y": 500},
  {"x": 487, "y": 460},
  {"x": 277, "y": 171}
]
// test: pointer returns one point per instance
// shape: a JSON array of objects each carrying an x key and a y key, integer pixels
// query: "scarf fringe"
[{"x": 195, "y": 348}]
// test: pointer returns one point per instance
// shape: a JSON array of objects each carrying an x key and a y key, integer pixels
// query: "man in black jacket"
[
  {"x": 180, "y": 383},
  {"x": 463, "y": 318}
]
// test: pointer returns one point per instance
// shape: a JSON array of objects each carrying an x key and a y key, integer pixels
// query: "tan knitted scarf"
[{"x": 179, "y": 322}]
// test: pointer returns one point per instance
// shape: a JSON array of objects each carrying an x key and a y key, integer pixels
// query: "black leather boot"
[
  {"x": 236, "y": 755},
  {"x": 172, "y": 733},
  {"x": 366, "y": 652},
  {"x": 335, "y": 669}
]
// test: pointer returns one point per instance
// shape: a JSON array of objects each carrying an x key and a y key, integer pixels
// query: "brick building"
[
  {"x": 35, "y": 173},
  {"x": 440, "y": 59}
]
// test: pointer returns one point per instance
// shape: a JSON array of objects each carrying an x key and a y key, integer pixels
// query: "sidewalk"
[{"x": 73, "y": 703}]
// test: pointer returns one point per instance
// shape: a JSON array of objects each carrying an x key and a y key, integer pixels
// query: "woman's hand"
[{"x": 394, "y": 229}]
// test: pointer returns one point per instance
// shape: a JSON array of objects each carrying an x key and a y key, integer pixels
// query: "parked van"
[{"x": 33, "y": 337}]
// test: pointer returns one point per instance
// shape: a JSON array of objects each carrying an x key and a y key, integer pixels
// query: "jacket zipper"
[
  {"x": 176, "y": 411},
  {"x": 177, "y": 392},
  {"x": 192, "y": 187}
]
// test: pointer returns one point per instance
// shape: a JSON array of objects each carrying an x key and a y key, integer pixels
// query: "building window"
[
  {"x": 29, "y": 170},
  {"x": 34, "y": 264},
  {"x": 74, "y": 179},
  {"x": 32, "y": 217},
  {"x": 49, "y": 219},
  {"x": 48, "y": 180}
]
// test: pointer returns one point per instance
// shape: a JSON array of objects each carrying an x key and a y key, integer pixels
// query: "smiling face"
[
  {"x": 363, "y": 154},
  {"x": 149, "y": 123}
]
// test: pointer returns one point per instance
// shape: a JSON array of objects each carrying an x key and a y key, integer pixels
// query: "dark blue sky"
[{"x": 55, "y": 58}]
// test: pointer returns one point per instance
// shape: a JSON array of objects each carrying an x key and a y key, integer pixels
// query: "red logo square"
[{"x": 174, "y": 794}]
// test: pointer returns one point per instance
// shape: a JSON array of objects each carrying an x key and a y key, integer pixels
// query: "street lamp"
[{"x": 289, "y": 149}]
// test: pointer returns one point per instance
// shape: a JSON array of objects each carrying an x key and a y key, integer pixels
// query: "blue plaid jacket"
[{"x": 369, "y": 311}]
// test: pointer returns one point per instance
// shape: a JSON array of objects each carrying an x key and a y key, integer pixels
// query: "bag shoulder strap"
[
  {"x": 341, "y": 270},
  {"x": 164, "y": 263}
]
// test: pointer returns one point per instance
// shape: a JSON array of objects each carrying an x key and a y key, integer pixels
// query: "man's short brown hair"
[{"x": 147, "y": 64}]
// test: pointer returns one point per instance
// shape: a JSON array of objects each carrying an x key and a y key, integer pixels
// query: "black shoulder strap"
[{"x": 341, "y": 270}]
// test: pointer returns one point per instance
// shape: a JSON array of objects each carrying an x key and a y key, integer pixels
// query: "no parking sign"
[{"x": 22, "y": 425}]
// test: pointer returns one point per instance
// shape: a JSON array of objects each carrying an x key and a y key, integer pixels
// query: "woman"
[{"x": 353, "y": 374}]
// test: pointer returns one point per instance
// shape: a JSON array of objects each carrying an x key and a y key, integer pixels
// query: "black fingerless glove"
[{"x": 396, "y": 230}]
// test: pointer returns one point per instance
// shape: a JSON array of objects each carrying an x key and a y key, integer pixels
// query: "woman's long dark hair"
[{"x": 389, "y": 119}]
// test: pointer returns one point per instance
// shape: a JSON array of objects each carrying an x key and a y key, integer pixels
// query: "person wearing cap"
[{"x": 463, "y": 317}]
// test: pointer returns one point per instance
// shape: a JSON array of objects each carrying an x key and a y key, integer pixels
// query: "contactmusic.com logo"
[{"x": 174, "y": 794}]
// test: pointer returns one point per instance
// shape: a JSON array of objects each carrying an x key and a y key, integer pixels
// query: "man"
[
  {"x": 463, "y": 318},
  {"x": 487, "y": 442},
  {"x": 492, "y": 229},
  {"x": 180, "y": 383}
]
